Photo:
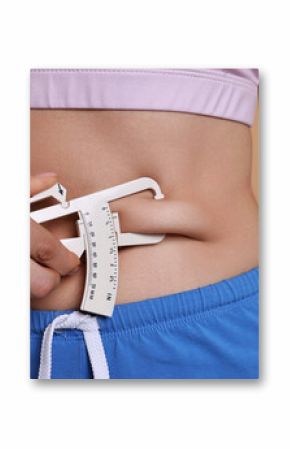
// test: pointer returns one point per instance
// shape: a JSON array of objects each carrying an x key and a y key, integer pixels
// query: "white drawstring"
[{"x": 89, "y": 326}]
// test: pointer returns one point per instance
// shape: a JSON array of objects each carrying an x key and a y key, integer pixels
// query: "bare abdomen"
[{"x": 203, "y": 166}]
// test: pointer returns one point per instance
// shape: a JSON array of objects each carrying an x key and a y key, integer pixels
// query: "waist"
[
  {"x": 166, "y": 309},
  {"x": 200, "y": 247},
  {"x": 203, "y": 166}
]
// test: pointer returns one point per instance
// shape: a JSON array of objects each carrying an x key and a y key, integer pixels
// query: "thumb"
[{"x": 41, "y": 182}]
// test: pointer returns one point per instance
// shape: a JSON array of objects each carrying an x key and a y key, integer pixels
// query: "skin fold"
[{"x": 203, "y": 165}]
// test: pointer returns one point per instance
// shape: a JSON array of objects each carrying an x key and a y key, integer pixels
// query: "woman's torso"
[{"x": 203, "y": 166}]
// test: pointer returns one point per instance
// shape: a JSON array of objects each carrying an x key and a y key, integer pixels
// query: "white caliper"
[{"x": 99, "y": 236}]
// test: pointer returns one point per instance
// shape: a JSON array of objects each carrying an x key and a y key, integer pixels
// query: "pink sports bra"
[{"x": 226, "y": 93}]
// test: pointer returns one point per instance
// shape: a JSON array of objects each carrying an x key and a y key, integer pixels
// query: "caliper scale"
[{"x": 99, "y": 235}]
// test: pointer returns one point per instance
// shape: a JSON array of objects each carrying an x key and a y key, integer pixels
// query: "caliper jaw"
[{"x": 76, "y": 244}]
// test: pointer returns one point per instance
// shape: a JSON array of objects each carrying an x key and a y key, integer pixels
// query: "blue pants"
[{"x": 205, "y": 333}]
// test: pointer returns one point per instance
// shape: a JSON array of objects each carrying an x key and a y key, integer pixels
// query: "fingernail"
[
  {"x": 75, "y": 270},
  {"x": 47, "y": 174}
]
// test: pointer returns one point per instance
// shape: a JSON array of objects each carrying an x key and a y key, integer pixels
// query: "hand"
[{"x": 49, "y": 259}]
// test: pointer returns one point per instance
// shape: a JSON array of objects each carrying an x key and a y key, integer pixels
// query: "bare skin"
[{"x": 203, "y": 166}]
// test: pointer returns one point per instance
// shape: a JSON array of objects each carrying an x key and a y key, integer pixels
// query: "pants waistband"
[{"x": 165, "y": 308}]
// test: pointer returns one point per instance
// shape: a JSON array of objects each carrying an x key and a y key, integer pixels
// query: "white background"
[{"x": 165, "y": 414}]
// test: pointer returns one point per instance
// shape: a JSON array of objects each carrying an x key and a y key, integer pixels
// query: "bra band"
[{"x": 227, "y": 94}]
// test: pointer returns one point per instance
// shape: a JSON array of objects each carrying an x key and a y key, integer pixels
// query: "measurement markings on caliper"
[
  {"x": 113, "y": 253},
  {"x": 91, "y": 255}
]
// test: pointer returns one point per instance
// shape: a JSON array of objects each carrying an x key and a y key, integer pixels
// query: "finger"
[
  {"x": 41, "y": 182},
  {"x": 42, "y": 280},
  {"x": 50, "y": 252}
]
